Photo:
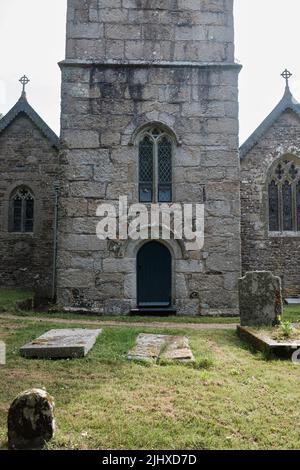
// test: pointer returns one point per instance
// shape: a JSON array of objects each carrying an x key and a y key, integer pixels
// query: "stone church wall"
[
  {"x": 262, "y": 250},
  {"x": 158, "y": 30},
  {"x": 27, "y": 158},
  {"x": 104, "y": 104}
]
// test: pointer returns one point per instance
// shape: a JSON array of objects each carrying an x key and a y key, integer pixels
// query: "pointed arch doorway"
[{"x": 154, "y": 276}]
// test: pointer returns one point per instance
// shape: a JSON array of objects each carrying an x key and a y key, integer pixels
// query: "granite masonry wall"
[
  {"x": 151, "y": 30},
  {"x": 27, "y": 158},
  {"x": 261, "y": 249},
  {"x": 129, "y": 64}
]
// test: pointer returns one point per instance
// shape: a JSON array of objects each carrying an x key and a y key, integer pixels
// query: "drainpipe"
[{"x": 55, "y": 226}]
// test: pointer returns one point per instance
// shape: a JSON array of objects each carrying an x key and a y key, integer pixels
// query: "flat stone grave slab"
[
  {"x": 61, "y": 344},
  {"x": 292, "y": 301},
  {"x": 261, "y": 341},
  {"x": 151, "y": 347}
]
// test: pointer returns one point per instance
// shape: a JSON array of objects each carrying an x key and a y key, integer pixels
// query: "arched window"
[
  {"x": 284, "y": 197},
  {"x": 155, "y": 166},
  {"x": 22, "y": 211}
]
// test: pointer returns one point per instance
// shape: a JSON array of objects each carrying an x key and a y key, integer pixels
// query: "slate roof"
[
  {"x": 22, "y": 106},
  {"x": 288, "y": 102}
]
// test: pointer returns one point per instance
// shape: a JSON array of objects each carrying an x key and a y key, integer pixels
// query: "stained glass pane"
[
  {"x": 298, "y": 205},
  {"x": 29, "y": 212},
  {"x": 17, "y": 215},
  {"x": 22, "y": 216},
  {"x": 164, "y": 170},
  {"x": 273, "y": 208},
  {"x": 293, "y": 171},
  {"x": 146, "y": 169},
  {"x": 165, "y": 193},
  {"x": 145, "y": 193},
  {"x": 279, "y": 171},
  {"x": 164, "y": 161},
  {"x": 156, "y": 133},
  {"x": 287, "y": 206}
]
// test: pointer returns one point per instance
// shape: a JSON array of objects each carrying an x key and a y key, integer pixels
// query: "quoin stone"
[
  {"x": 260, "y": 299},
  {"x": 31, "y": 421}
]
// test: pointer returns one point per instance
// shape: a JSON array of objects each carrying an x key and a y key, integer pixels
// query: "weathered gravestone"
[
  {"x": 31, "y": 420},
  {"x": 61, "y": 344},
  {"x": 260, "y": 299},
  {"x": 151, "y": 347}
]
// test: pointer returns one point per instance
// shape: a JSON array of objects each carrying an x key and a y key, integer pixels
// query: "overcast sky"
[{"x": 32, "y": 41}]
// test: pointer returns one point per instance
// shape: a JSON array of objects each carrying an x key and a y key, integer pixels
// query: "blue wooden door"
[{"x": 154, "y": 276}]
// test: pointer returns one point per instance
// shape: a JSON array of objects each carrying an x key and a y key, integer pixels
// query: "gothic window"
[
  {"x": 284, "y": 198},
  {"x": 22, "y": 211},
  {"x": 273, "y": 207},
  {"x": 155, "y": 166},
  {"x": 146, "y": 148}
]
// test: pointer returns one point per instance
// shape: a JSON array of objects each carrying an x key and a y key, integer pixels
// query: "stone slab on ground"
[
  {"x": 292, "y": 301},
  {"x": 147, "y": 347},
  {"x": 2, "y": 353},
  {"x": 177, "y": 349},
  {"x": 150, "y": 347},
  {"x": 61, "y": 344},
  {"x": 260, "y": 342}
]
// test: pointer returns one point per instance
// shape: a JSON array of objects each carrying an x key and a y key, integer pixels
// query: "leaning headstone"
[
  {"x": 31, "y": 420},
  {"x": 260, "y": 299},
  {"x": 61, "y": 344}
]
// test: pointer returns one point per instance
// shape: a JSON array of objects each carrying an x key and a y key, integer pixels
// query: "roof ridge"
[
  {"x": 22, "y": 106},
  {"x": 287, "y": 102}
]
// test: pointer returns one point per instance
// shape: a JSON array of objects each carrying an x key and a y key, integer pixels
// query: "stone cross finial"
[
  {"x": 24, "y": 80},
  {"x": 286, "y": 74}
]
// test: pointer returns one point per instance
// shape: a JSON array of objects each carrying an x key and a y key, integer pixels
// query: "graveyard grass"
[
  {"x": 231, "y": 399},
  {"x": 10, "y": 297}
]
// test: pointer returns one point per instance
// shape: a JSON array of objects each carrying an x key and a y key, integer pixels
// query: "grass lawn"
[
  {"x": 233, "y": 399},
  {"x": 8, "y": 299}
]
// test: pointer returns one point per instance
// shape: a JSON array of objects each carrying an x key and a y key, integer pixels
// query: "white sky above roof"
[{"x": 32, "y": 41}]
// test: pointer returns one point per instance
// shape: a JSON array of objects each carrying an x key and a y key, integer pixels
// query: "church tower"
[{"x": 149, "y": 111}]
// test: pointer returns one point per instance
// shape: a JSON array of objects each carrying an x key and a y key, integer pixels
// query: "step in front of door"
[{"x": 154, "y": 311}]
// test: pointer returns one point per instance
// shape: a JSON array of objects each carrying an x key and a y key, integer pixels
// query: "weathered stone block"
[
  {"x": 81, "y": 139},
  {"x": 31, "y": 420},
  {"x": 117, "y": 307},
  {"x": 260, "y": 299},
  {"x": 74, "y": 278},
  {"x": 110, "y": 286},
  {"x": 87, "y": 31},
  {"x": 75, "y": 242},
  {"x": 115, "y": 265}
]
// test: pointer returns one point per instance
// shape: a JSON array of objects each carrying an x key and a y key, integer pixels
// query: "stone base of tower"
[
  {"x": 105, "y": 108},
  {"x": 134, "y": 72}
]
